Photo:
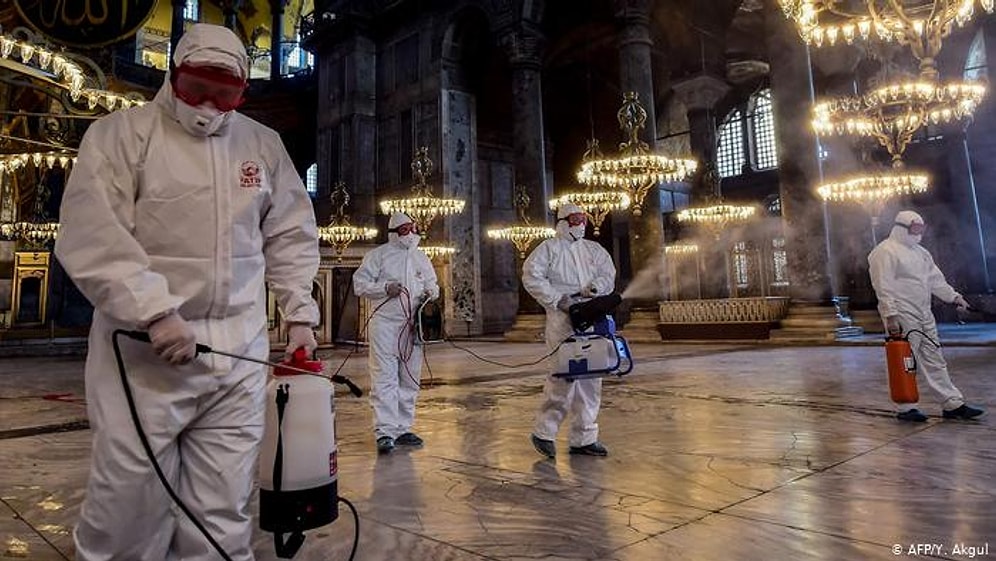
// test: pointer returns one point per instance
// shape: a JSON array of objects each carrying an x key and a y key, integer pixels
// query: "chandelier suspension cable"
[{"x": 46, "y": 144}]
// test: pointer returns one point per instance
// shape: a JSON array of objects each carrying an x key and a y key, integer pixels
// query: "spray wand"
[{"x": 201, "y": 348}]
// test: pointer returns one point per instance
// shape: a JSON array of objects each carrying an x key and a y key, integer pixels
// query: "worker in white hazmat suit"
[
  {"x": 559, "y": 272},
  {"x": 175, "y": 214},
  {"x": 396, "y": 277},
  {"x": 905, "y": 277}
]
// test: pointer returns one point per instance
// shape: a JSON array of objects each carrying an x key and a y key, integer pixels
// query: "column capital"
[
  {"x": 701, "y": 92},
  {"x": 523, "y": 46},
  {"x": 633, "y": 10},
  {"x": 633, "y": 19}
]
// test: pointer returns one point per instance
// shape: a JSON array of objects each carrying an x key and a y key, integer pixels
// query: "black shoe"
[
  {"x": 545, "y": 447},
  {"x": 913, "y": 415},
  {"x": 963, "y": 412},
  {"x": 593, "y": 449},
  {"x": 385, "y": 444},
  {"x": 408, "y": 439}
]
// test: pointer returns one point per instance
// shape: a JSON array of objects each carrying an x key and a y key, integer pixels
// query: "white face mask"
[
  {"x": 576, "y": 232},
  {"x": 916, "y": 238},
  {"x": 202, "y": 120},
  {"x": 410, "y": 241}
]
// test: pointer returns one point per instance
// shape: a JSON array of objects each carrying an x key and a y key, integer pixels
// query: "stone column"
[
  {"x": 524, "y": 48},
  {"x": 798, "y": 163},
  {"x": 276, "y": 37},
  {"x": 646, "y": 232},
  {"x": 175, "y": 27},
  {"x": 700, "y": 94},
  {"x": 230, "y": 9},
  {"x": 457, "y": 163}
]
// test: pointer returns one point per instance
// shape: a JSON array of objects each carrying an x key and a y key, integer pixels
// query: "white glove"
[
  {"x": 564, "y": 304},
  {"x": 892, "y": 325},
  {"x": 393, "y": 289},
  {"x": 589, "y": 291},
  {"x": 173, "y": 339},
  {"x": 300, "y": 335},
  {"x": 960, "y": 302}
]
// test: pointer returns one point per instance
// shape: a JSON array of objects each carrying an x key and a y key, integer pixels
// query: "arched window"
[
  {"x": 730, "y": 158},
  {"x": 762, "y": 120},
  {"x": 311, "y": 180},
  {"x": 747, "y": 137},
  {"x": 976, "y": 63},
  {"x": 192, "y": 10},
  {"x": 298, "y": 58}
]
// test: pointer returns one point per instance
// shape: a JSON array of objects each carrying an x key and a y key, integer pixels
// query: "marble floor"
[{"x": 717, "y": 452}]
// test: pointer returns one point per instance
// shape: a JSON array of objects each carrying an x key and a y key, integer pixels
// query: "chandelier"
[
  {"x": 681, "y": 249},
  {"x": 524, "y": 234},
  {"x": 340, "y": 233},
  {"x": 635, "y": 170},
  {"x": 892, "y": 114},
  {"x": 921, "y": 24},
  {"x": 437, "y": 253},
  {"x": 874, "y": 190},
  {"x": 66, "y": 72},
  {"x": 719, "y": 215},
  {"x": 596, "y": 204},
  {"x": 422, "y": 206},
  {"x": 36, "y": 235},
  {"x": 12, "y": 162},
  {"x": 715, "y": 215}
]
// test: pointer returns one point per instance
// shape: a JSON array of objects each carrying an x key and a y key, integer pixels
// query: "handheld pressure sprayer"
[
  {"x": 298, "y": 456},
  {"x": 901, "y": 364},
  {"x": 595, "y": 350}
]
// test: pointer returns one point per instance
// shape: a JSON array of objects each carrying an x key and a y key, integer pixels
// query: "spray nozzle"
[{"x": 584, "y": 314}]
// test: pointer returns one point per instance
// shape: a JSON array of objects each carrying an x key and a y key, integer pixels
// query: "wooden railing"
[{"x": 728, "y": 310}]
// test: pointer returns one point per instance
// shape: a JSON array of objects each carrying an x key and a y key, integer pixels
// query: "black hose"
[{"x": 356, "y": 527}]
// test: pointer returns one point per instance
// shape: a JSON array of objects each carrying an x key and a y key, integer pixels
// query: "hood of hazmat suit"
[
  {"x": 563, "y": 227},
  {"x": 904, "y": 274},
  {"x": 399, "y": 260},
  {"x": 563, "y": 265},
  {"x": 410, "y": 239},
  {"x": 211, "y": 46}
]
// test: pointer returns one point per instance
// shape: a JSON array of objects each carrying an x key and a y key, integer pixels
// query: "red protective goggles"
[
  {"x": 196, "y": 85},
  {"x": 916, "y": 228},
  {"x": 576, "y": 219},
  {"x": 405, "y": 229}
]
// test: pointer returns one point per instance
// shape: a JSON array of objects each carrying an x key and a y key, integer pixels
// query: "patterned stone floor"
[{"x": 716, "y": 452}]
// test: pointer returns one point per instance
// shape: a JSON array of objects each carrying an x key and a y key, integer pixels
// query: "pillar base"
[
  {"x": 812, "y": 323},
  {"x": 528, "y": 328},
  {"x": 642, "y": 327}
]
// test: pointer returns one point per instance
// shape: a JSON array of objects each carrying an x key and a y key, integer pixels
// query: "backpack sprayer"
[
  {"x": 298, "y": 470},
  {"x": 594, "y": 351}
]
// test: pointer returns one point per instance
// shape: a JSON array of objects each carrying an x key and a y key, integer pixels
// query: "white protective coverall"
[
  {"x": 153, "y": 220},
  {"x": 559, "y": 266},
  {"x": 395, "y": 363},
  {"x": 905, "y": 277}
]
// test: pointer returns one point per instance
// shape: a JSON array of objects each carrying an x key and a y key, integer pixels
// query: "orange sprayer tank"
[{"x": 902, "y": 370}]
